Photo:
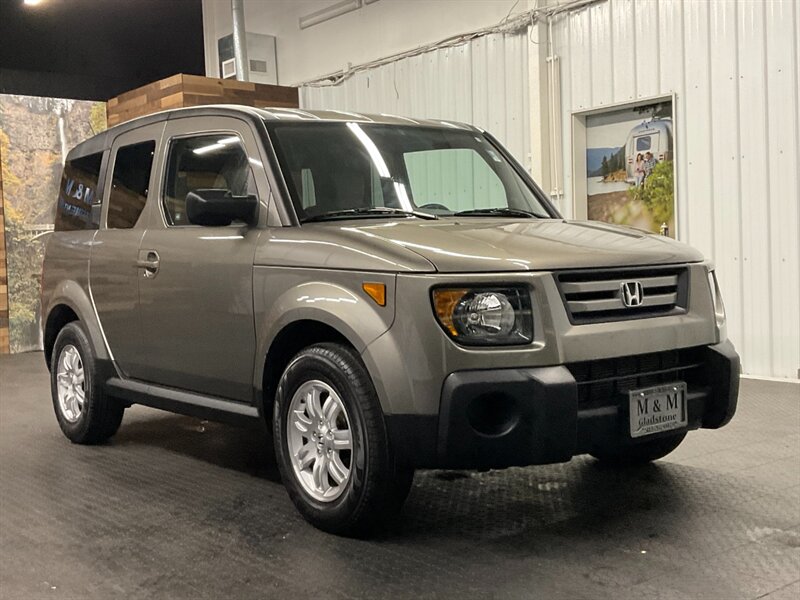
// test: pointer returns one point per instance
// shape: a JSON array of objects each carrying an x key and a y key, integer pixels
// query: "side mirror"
[{"x": 216, "y": 207}]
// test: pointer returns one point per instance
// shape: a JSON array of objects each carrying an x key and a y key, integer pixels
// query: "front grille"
[
  {"x": 595, "y": 296},
  {"x": 602, "y": 381}
]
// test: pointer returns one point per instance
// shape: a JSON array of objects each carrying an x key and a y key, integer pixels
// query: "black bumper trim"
[
  {"x": 724, "y": 371},
  {"x": 543, "y": 429},
  {"x": 544, "y": 422}
]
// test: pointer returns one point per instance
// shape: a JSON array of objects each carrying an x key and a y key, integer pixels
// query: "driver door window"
[{"x": 204, "y": 162}]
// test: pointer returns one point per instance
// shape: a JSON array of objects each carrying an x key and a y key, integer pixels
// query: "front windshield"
[{"x": 340, "y": 169}]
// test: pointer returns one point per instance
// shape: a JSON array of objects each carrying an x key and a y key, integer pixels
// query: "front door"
[{"x": 196, "y": 285}]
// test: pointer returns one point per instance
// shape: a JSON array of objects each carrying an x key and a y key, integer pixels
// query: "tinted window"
[
  {"x": 643, "y": 143},
  {"x": 78, "y": 201},
  {"x": 204, "y": 162},
  {"x": 332, "y": 167},
  {"x": 458, "y": 178},
  {"x": 129, "y": 185}
]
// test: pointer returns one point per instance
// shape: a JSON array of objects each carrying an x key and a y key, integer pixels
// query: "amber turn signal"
[
  {"x": 444, "y": 302},
  {"x": 376, "y": 291}
]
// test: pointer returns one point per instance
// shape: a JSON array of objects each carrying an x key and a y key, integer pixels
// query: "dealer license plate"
[{"x": 656, "y": 409}]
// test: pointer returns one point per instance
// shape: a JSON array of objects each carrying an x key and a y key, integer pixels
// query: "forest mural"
[{"x": 35, "y": 136}]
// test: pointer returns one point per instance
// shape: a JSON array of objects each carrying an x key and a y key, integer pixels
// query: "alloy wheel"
[
  {"x": 70, "y": 383},
  {"x": 320, "y": 440}
]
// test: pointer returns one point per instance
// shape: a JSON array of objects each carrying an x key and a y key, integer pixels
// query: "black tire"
[
  {"x": 637, "y": 454},
  {"x": 376, "y": 488},
  {"x": 101, "y": 415}
]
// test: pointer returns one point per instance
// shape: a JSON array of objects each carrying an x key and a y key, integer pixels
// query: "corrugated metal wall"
[
  {"x": 733, "y": 67},
  {"x": 483, "y": 82}
]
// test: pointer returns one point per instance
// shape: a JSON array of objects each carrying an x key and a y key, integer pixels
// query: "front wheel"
[
  {"x": 630, "y": 455},
  {"x": 331, "y": 443}
]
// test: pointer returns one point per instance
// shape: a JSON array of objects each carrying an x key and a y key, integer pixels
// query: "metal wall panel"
[
  {"x": 725, "y": 175},
  {"x": 733, "y": 67},
  {"x": 782, "y": 123},
  {"x": 483, "y": 82},
  {"x": 621, "y": 36},
  {"x": 603, "y": 71}
]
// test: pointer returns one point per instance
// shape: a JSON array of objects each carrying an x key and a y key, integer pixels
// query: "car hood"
[{"x": 474, "y": 244}]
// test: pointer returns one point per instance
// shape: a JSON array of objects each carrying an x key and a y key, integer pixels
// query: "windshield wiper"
[
  {"x": 368, "y": 211},
  {"x": 501, "y": 211}
]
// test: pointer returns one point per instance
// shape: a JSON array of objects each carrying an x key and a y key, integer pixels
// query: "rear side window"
[
  {"x": 129, "y": 184},
  {"x": 79, "y": 203},
  {"x": 216, "y": 162},
  {"x": 643, "y": 143}
]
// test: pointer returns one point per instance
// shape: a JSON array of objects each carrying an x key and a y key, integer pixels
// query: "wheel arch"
[
  {"x": 294, "y": 310},
  {"x": 290, "y": 340},
  {"x": 59, "y": 316},
  {"x": 67, "y": 303}
]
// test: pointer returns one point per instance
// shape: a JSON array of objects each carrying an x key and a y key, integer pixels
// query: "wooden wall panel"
[{"x": 192, "y": 90}]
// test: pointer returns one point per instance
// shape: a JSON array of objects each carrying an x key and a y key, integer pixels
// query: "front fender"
[{"x": 335, "y": 298}]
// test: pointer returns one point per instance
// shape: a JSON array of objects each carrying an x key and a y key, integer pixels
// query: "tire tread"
[
  {"x": 102, "y": 414},
  {"x": 385, "y": 486}
]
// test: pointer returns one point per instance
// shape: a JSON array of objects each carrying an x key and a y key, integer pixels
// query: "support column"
[
  {"x": 538, "y": 100},
  {"x": 240, "y": 41}
]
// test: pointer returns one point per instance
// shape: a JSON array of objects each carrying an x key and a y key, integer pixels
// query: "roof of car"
[
  {"x": 297, "y": 114},
  {"x": 102, "y": 141}
]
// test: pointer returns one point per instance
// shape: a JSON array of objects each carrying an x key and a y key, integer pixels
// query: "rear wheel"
[
  {"x": 331, "y": 443},
  {"x": 628, "y": 455},
  {"x": 85, "y": 414}
]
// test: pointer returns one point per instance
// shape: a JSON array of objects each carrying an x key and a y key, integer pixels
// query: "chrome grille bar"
[
  {"x": 616, "y": 303},
  {"x": 597, "y": 295},
  {"x": 582, "y": 287}
]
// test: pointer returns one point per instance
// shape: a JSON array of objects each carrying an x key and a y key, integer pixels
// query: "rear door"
[
  {"x": 197, "y": 299},
  {"x": 113, "y": 278}
]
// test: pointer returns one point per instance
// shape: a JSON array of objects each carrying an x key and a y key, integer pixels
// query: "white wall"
[
  {"x": 483, "y": 82},
  {"x": 733, "y": 67},
  {"x": 370, "y": 32}
]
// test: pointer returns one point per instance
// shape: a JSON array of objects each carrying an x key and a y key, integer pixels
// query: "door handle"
[{"x": 149, "y": 261}]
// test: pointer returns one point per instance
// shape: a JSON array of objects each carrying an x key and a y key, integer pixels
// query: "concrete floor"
[{"x": 177, "y": 508}]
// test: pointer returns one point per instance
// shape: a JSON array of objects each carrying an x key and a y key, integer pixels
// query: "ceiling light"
[{"x": 31, "y": 2}]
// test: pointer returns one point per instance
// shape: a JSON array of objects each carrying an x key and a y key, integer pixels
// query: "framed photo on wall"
[{"x": 624, "y": 165}]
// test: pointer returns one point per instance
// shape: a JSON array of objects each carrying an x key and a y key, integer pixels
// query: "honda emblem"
[{"x": 632, "y": 293}]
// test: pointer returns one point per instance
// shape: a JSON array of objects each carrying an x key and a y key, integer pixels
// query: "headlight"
[
  {"x": 716, "y": 297},
  {"x": 485, "y": 317}
]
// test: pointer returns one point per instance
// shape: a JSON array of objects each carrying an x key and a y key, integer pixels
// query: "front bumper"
[{"x": 514, "y": 417}]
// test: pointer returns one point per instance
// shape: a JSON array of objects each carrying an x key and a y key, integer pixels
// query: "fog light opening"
[{"x": 493, "y": 414}]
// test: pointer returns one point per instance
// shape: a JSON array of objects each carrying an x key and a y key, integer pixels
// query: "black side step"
[{"x": 180, "y": 401}]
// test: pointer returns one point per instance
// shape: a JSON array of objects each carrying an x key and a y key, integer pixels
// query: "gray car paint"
[
  {"x": 197, "y": 312},
  {"x": 113, "y": 276},
  {"x": 65, "y": 282},
  {"x": 468, "y": 245},
  {"x": 315, "y": 272}
]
